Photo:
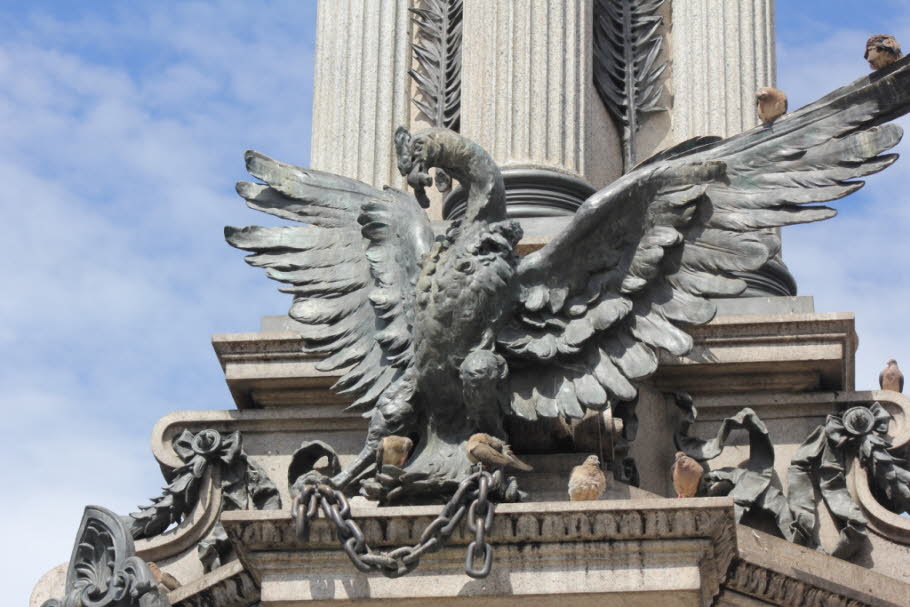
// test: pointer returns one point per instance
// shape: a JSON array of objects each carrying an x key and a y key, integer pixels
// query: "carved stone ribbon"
[{"x": 750, "y": 487}]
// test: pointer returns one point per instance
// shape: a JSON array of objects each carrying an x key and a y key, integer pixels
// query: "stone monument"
[{"x": 605, "y": 201}]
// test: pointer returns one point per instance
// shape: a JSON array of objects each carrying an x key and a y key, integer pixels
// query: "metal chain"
[{"x": 471, "y": 498}]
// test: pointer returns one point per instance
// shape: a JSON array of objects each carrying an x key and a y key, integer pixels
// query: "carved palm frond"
[
  {"x": 438, "y": 51},
  {"x": 627, "y": 70}
]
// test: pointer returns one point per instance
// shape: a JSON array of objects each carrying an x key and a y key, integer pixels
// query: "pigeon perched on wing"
[
  {"x": 493, "y": 452},
  {"x": 587, "y": 481},
  {"x": 891, "y": 377},
  {"x": 772, "y": 104},
  {"x": 882, "y": 50},
  {"x": 687, "y": 475},
  {"x": 393, "y": 451}
]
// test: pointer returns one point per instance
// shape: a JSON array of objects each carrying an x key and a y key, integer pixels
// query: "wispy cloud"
[
  {"x": 858, "y": 261},
  {"x": 123, "y": 129},
  {"x": 123, "y": 132}
]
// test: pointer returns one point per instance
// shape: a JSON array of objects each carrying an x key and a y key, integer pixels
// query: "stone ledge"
[
  {"x": 780, "y": 573},
  {"x": 228, "y": 586},
  {"x": 775, "y": 353},
  {"x": 674, "y": 549},
  {"x": 749, "y": 353}
]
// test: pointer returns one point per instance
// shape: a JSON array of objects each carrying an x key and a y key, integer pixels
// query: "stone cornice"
[
  {"x": 227, "y": 586},
  {"x": 697, "y": 535},
  {"x": 784, "y": 574},
  {"x": 756, "y": 354}
]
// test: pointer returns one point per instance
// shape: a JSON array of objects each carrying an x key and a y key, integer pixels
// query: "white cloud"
[
  {"x": 123, "y": 134},
  {"x": 858, "y": 261}
]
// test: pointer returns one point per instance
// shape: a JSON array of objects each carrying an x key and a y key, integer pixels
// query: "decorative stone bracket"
[{"x": 104, "y": 570}]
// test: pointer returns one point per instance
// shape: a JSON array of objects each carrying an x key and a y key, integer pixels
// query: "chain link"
[{"x": 471, "y": 498}]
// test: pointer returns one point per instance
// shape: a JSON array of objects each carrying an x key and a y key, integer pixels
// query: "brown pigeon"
[
  {"x": 687, "y": 475},
  {"x": 772, "y": 104},
  {"x": 587, "y": 481},
  {"x": 882, "y": 50},
  {"x": 493, "y": 453},
  {"x": 166, "y": 581},
  {"x": 393, "y": 451},
  {"x": 891, "y": 377}
]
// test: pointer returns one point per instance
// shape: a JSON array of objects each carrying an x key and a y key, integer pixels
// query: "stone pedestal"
[{"x": 592, "y": 553}]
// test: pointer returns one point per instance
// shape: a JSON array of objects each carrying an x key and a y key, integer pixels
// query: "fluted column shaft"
[
  {"x": 527, "y": 93},
  {"x": 361, "y": 89},
  {"x": 722, "y": 53}
]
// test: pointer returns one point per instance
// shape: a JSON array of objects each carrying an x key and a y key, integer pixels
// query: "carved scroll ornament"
[
  {"x": 244, "y": 484},
  {"x": 104, "y": 570}
]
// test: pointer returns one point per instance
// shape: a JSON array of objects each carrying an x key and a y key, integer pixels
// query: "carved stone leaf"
[
  {"x": 438, "y": 52},
  {"x": 244, "y": 484},
  {"x": 627, "y": 46}
]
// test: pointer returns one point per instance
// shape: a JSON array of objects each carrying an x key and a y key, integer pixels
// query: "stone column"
[
  {"x": 361, "y": 91},
  {"x": 528, "y": 98},
  {"x": 722, "y": 53}
]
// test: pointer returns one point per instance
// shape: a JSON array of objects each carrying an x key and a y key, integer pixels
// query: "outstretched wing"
[
  {"x": 641, "y": 257},
  {"x": 352, "y": 270}
]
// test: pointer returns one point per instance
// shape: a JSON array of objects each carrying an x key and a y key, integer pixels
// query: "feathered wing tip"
[
  {"x": 641, "y": 258},
  {"x": 351, "y": 270}
]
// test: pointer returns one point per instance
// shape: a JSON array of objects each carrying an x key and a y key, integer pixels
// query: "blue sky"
[{"x": 123, "y": 127}]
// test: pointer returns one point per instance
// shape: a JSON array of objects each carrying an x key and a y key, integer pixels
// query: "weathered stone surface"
[
  {"x": 361, "y": 91},
  {"x": 776, "y": 572},
  {"x": 749, "y": 353},
  {"x": 528, "y": 94},
  {"x": 775, "y": 353},
  {"x": 711, "y": 39},
  {"x": 619, "y": 552}
]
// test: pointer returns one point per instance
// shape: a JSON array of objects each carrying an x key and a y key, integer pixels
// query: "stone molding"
[
  {"x": 697, "y": 533},
  {"x": 777, "y": 572},
  {"x": 774, "y": 353},
  {"x": 779, "y": 589},
  {"x": 227, "y": 586},
  {"x": 887, "y": 524},
  {"x": 193, "y": 528}
]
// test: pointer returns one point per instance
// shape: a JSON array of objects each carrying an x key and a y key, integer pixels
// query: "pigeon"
[
  {"x": 882, "y": 50},
  {"x": 166, "y": 582},
  {"x": 393, "y": 451},
  {"x": 687, "y": 475},
  {"x": 891, "y": 377},
  {"x": 493, "y": 452},
  {"x": 587, "y": 481},
  {"x": 772, "y": 104}
]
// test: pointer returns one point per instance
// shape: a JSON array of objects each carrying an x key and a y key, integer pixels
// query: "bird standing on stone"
[
  {"x": 493, "y": 452},
  {"x": 687, "y": 475},
  {"x": 166, "y": 582},
  {"x": 393, "y": 451},
  {"x": 882, "y": 50},
  {"x": 587, "y": 481},
  {"x": 772, "y": 104},
  {"x": 891, "y": 377}
]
